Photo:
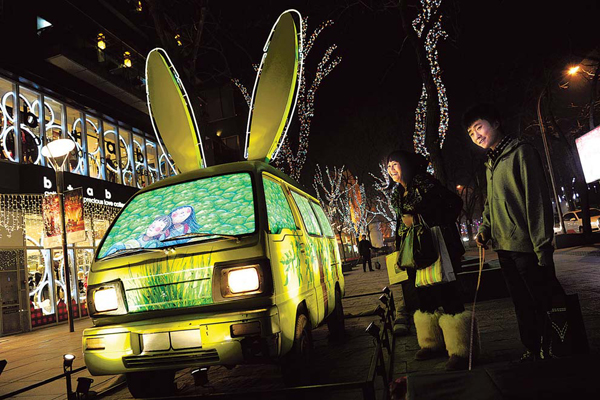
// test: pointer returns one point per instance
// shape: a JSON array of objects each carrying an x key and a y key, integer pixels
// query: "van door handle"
[{"x": 301, "y": 246}]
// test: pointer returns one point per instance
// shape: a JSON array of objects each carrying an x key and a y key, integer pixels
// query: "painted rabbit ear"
[
  {"x": 171, "y": 113},
  {"x": 275, "y": 88}
]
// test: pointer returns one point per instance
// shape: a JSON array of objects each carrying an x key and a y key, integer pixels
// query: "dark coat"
[
  {"x": 436, "y": 204},
  {"x": 364, "y": 248},
  {"x": 518, "y": 212}
]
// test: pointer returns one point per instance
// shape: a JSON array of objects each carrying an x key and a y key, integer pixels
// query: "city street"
[{"x": 577, "y": 269}]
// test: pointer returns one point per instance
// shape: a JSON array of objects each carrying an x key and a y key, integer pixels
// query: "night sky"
[{"x": 498, "y": 51}]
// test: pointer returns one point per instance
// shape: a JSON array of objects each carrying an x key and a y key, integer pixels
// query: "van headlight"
[
  {"x": 242, "y": 279},
  {"x": 106, "y": 299}
]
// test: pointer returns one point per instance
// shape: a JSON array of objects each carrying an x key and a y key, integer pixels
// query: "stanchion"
[{"x": 68, "y": 370}]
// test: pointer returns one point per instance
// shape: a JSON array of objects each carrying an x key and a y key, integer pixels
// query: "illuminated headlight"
[
  {"x": 243, "y": 280},
  {"x": 107, "y": 299}
]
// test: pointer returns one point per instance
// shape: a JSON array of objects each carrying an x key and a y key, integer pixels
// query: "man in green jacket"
[{"x": 518, "y": 219}]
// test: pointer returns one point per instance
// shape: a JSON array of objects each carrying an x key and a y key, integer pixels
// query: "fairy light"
[
  {"x": 383, "y": 200},
  {"x": 244, "y": 91},
  {"x": 288, "y": 160},
  {"x": 16, "y": 208},
  {"x": 332, "y": 192},
  {"x": 428, "y": 10}
]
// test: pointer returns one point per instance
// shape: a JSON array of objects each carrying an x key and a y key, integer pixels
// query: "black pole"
[
  {"x": 593, "y": 96},
  {"x": 60, "y": 190},
  {"x": 549, "y": 161},
  {"x": 68, "y": 370}
]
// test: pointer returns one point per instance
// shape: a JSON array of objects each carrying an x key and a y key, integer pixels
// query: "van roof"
[{"x": 255, "y": 167}]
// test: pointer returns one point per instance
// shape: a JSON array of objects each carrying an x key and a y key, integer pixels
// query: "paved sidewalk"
[
  {"x": 578, "y": 269},
  {"x": 35, "y": 356}
]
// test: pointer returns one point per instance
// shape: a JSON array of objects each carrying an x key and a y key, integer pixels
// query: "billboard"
[
  {"x": 588, "y": 147},
  {"x": 73, "y": 208}
]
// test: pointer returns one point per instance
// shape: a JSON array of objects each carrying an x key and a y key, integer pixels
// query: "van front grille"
[{"x": 173, "y": 358}]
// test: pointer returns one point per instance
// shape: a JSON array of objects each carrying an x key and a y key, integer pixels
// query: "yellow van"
[{"x": 224, "y": 265}]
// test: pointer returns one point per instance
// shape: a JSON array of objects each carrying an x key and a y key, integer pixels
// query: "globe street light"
[{"x": 57, "y": 153}]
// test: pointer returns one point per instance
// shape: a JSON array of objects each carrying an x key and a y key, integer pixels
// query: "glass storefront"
[
  {"x": 32, "y": 276},
  {"x": 104, "y": 149},
  {"x": 41, "y": 300}
]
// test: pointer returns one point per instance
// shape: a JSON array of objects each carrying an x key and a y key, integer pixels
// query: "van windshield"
[{"x": 219, "y": 206}]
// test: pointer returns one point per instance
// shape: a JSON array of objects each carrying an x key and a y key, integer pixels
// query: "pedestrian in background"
[
  {"x": 417, "y": 193},
  {"x": 364, "y": 249},
  {"x": 518, "y": 219}
]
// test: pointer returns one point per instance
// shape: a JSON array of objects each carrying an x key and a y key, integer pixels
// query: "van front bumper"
[{"x": 186, "y": 341}]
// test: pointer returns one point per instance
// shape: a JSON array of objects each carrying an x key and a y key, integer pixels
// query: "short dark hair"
[{"x": 481, "y": 111}]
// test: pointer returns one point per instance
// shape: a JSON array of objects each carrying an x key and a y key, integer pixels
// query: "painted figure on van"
[
  {"x": 155, "y": 232},
  {"x": 184, "y": 221}
]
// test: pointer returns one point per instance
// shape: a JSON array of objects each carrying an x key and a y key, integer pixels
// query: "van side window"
[
  {"x": 308, "y": 216},
  {"x": 279, "y": 213},
  {"x": 323, "y": 221}
]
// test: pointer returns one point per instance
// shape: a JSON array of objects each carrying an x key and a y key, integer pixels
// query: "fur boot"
[
  {"x": 457, "y": 336},
  {"x": 429, "y": 335}
]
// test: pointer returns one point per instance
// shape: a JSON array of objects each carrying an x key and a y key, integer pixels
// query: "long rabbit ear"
[
  {"x": 171, "y": 113},
  {"x": 275, "y": 89}
]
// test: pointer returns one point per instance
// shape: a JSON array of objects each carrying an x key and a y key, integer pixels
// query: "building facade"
[{"x": 111, "y": 161}]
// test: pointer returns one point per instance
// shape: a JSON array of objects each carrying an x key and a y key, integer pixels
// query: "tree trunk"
[{"x": 432, "y": 121}]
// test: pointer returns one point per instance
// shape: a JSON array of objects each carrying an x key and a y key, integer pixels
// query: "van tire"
[
  {"x": 151, "y": 383},
  {"x": 296, "y": 365},
  {"x": 335, "y": 321}
]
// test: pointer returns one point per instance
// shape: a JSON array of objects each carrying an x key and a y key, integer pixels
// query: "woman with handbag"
[{"x": 419, "y": 198}]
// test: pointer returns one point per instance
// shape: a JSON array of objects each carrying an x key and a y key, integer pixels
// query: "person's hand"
[{"x": 481, "y": 240}]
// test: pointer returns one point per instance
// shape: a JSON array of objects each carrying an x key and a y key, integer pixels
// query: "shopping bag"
[
  {"x": 395, "y": 274},
  {"x": 417, "y": 249},
  {"x": 564, "y": 331},
  {"x": 441, "y": 271}
]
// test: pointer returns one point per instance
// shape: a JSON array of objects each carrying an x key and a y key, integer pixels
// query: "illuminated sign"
[{"x": 588, "y": 147}]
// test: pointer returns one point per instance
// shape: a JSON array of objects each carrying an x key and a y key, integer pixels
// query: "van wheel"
[
  {"x": 151, "y": 383},
  {"x": 335, "y": 321},
  {"x": 295, "y": 366}
]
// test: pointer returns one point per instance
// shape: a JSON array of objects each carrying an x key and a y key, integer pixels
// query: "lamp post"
[
  {"x": 57, "y": 152},
  {"x": 549, "y": 161}
]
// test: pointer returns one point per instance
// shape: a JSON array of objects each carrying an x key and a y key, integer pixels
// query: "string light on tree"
[
  {"x": 427, "y": 17},
  {"x": 383, "y": 200},
  {"x": 288, "y": 160},
  {"x": 332, "y": 193}
]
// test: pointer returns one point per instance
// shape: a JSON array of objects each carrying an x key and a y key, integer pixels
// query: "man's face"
[{"x": 484, "y": 134}]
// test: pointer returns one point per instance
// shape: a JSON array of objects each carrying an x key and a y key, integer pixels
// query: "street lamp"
[{"x": 57, "y": 153}]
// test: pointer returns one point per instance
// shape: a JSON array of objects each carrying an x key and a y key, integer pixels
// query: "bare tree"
[
  {"x": 330, "y": 193},
  {"x": 292, "y": 154},
  {"x": 383, "y": 199},
  {"x": 431, "y": 116}
]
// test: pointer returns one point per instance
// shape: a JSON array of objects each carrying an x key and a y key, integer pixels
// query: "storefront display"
[{"x": 40, "y": 266}]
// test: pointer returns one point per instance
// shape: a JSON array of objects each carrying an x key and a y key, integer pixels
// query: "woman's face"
[
  {"x": 395, "y": 171},
  {"x": 178, "y": 216},
  {"x": 156, "y": 228}
]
